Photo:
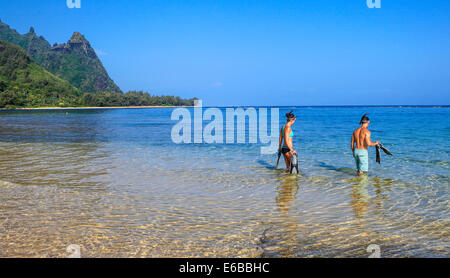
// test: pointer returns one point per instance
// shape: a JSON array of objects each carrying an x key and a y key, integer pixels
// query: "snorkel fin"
[
  {"x": 381, "y": 147},
  {"x": 378, "y": 154},
  {"x": 294, "y": 163},
  {"x": 278, "y": 160},
  {"x": 386, "y": 151}
]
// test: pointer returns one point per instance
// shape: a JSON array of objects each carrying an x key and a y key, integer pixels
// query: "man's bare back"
[{"x": 361, "y": 137}]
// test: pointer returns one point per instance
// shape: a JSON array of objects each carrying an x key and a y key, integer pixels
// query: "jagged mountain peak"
[
  {"x": 32, "y": 30},
  {"x": 77, "y": 37},
  {"x": 78, "y": 43}
]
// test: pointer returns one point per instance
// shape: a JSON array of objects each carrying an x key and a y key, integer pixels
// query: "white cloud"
[{"x": 100, "y": 52}]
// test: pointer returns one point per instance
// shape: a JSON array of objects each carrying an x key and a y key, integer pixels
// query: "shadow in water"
[
  {"x": 349, "y": 171},
  {"x": 267, "y": 165}
]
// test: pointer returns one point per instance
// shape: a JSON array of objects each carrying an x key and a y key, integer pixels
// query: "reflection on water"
[
  {"x": 112, "y": 183},
  {"x": 360, "y": 196},
  {"x": 287, "y": 191}
]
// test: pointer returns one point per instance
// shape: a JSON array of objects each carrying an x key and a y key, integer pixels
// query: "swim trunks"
[{"x": 362, "y": 160}]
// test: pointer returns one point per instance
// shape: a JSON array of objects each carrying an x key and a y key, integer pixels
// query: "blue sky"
[{"x": 260, "y": 52}]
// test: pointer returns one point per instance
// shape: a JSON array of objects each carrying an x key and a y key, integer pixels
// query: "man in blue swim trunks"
[{"x": 361, "y": 138}]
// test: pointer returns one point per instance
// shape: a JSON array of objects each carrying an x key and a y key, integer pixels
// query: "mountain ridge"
[{"x": 75, "y": 61}]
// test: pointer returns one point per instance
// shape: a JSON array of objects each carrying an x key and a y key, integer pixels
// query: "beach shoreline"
[{"x": 92, "y": 108}]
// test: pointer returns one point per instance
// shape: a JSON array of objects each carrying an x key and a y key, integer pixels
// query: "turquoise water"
[{"x": 112, "y": 182}]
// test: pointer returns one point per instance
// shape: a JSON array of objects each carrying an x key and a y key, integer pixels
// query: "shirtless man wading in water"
[{"x": 361, "y": 137}]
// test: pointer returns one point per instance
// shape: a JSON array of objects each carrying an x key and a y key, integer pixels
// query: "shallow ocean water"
[{"x": 112, "y": 182}]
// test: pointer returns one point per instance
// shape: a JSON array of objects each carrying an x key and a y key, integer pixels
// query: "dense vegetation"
[
  {"x": 133, "y": 98},
  {"x": 23, "y": 83},
  {"x": 74, "y": 61}
]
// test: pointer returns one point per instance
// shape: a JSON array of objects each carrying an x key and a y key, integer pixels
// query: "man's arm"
[
  {"x": 369, "y": 141},
  {"x": 353, "y": 143}
]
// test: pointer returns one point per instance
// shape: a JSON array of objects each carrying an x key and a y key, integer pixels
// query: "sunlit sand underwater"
[{"x": 112, "y": 182}]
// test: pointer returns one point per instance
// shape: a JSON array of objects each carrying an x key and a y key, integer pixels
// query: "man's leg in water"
[{"x": 355, "y": 156}]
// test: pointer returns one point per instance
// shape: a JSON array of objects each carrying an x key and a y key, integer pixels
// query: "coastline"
[
  {"x": 91, "y": 108},
  {"x": 172, "y": 106}
]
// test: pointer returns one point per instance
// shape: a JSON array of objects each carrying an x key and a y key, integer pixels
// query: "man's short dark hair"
[{"x": 364, "y": 119}]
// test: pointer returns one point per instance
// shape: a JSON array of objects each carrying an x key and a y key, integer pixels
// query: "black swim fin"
[
  {"x": 378, "y": 154},
  {"x": 294, "y": 164},
  {"x": 278, "y": 160},
  {"x": 386, "y": 151}
]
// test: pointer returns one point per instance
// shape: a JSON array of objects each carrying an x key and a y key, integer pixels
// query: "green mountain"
[
  {"x": 23, "y": 83},
  {"x": 74, "y": 61}
]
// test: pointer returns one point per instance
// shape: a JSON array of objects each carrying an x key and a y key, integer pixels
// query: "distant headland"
[{"x": 35, "y": 74}]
